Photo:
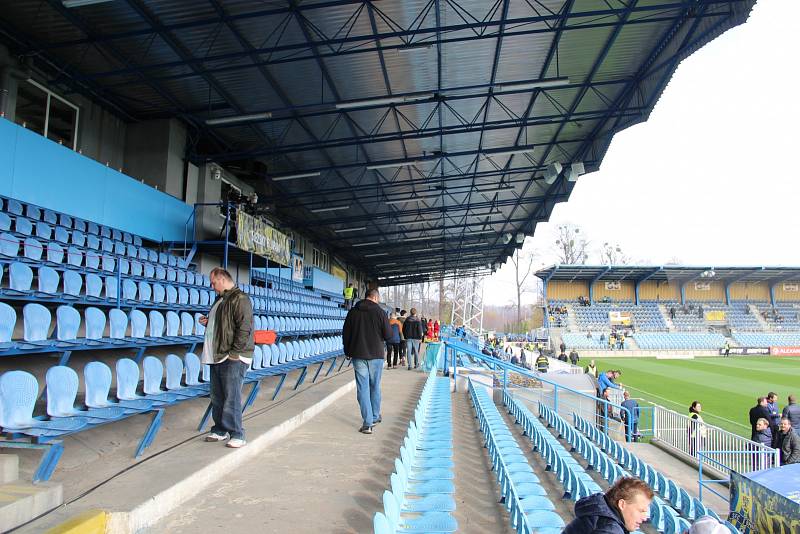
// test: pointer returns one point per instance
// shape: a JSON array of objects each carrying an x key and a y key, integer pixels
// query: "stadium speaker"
[
  {"x": 552, "y": 172},
  {"x": 520, "y": 238},
  {"x": 507, "y": 239},
  {"x": 574, "y": 171}
]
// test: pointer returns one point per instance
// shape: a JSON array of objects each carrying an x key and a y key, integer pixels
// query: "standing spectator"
[
  {"x": 573, "y": 357},
  {"x": 412, "y": 331},
  {"x": 633, "y": 407},
  {"x": 602, "y": 339},
  {"x": 792, "y": 412},
  {"x": 394, "y": 342},
  {"x": 542, "y": 363},
  {"x": 763, "y": 432},
  {"x": 774, "y": 413},
  {"x": 349, "y": 292},
  {"x": 789, "y": 443},
  {"x": 436, "y": 330},
  {"x": 562, "y": 357},
  {"x": 522, "y": 358},
  {"x": 604, "y": 411},
  {"x": 403, "y": 347},
  {"x": 365, "y": 330},
  {"x": 697, "y": 430},
  {"x": 607, "y": 379},
  {"x": 563, "y": 346},
  {"x": 429, "y": 330},
  {"x": 759, "y": 411},
  {"x": 228, "y": 348},
  {"x": 591, "y": 369},
  {"x": 727, "y": 348},
  {"x": 514, "y": 359},
  {"x": 672, "y": 312},
  {"x": 622, "y": 509}
]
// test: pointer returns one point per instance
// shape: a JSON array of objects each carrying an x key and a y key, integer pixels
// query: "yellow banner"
[
  {"x": 254, "y": 235},
  {"x": 339, "y": 273},
  {"x": 715, "y": 315},
  {"x": 617, "y": 318}
]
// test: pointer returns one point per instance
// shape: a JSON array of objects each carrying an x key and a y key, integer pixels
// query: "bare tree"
[
  {"x": 571, "y": 245},
  {"x": 523, "y": 267},
  {"x": 612, "y": 254}
]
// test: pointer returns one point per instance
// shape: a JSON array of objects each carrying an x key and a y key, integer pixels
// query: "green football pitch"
[{"x": 726, "y": 387}]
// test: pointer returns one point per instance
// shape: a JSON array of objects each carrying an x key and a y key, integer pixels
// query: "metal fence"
[{"x": 724, "y": 451}]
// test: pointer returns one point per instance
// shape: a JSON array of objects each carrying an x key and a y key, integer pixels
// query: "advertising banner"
[
  {"x": 613, "y": 286},
  {"x": 339, "y": 273},
  {"x": 785, "y": 351},
  {"x": 747, "y": 351},
  {"x": 767, "y": 501},
  {"x": 254, "y": 235},
  {"x": 297, "y": 268},
  {"x": 715, "y": 316},
  {"x": 619, "y": 318}
]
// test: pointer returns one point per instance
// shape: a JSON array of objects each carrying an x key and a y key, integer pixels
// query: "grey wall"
[{"x": 154, "y": 152}]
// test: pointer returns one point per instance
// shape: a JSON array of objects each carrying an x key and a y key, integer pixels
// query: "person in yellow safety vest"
[{"x": 348, "y": 295}]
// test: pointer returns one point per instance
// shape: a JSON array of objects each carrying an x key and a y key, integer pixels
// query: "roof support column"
[
  {"x": 595, "y": 279},
  {"x": 683, "y": 293},
  {"x": 772, "y": 295},
  {"x": 639, "y": 282},
  {"x": 728, "y": 293}
]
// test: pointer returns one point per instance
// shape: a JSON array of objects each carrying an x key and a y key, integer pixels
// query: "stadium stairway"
[
  {"x": 670, "y": 325},
  {"x": 765, "y": 326},
  {"x": 22, "y": 501}
]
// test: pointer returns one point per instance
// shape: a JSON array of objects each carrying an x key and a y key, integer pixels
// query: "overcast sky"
[{"x": 711, "y": 178}]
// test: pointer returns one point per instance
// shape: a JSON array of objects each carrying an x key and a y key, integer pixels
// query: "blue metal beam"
[
  {"x": 644, "y": 279},
  {"x": 595, "y": 279}
]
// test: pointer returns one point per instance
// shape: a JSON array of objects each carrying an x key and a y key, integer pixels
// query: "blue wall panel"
[
  {"x": 36, "y": 170},
  {"x": 8, "y": 143}
]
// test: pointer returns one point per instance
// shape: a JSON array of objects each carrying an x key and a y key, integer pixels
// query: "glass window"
[
  {"x": 62, "y": 122},
  {"x": 31, "y": 112}
]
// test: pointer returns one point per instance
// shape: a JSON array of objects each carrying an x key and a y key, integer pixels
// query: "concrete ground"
[{"x": 323, "y": 477}]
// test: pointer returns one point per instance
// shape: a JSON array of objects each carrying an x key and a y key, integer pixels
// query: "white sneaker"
[
  {"x": 236, "y": 443},
  {"x": 213, "y": 436}
]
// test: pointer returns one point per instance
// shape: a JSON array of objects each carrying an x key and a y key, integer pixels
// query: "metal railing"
[
  {"x": 563, "y": 399},
  {"x": 724, "y": 451}
]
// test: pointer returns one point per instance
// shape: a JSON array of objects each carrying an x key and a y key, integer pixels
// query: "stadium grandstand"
[
  {"x": 694, "y": 310},
  {"x": 306, "y": 148}
]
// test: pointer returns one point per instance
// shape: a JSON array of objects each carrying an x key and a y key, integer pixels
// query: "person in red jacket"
[
  {"x": 436, "y": 330},
  {"x": 429, "y": 333}
]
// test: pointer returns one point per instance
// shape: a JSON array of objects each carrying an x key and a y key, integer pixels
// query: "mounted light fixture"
[
  {"x": 332, "y": 208},
  {"x": 376, "y": 254},
  {"x": 343, "y": 230},
  {"x": 507, "y": 238},
  {"x": 369, "y": 244},
  {"x": 539, "y": 84},
  {"x": 384, "y": 101},
  {"x": 295, "y": 176},
  {"x": 552, "y": 172},
  {"x": 574, "y": 171},
  {"x": 238, "y": 118},
  {"x": 520, "y": 238},
  {"x": 391, "y": 165},
  {"x": 80, "y": 3},
  {"x": 509, "y": 152}
]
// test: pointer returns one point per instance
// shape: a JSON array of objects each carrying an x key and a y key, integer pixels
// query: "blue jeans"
[
  {"x": 226, "y": 397},
  {"x": 413, "y": 348},
  {"x": 368, "y": 388}
]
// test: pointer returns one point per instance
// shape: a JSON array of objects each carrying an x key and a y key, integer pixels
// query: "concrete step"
[
  {"x": 9, "y": 468},
  {"x": 20, "y": 502}
]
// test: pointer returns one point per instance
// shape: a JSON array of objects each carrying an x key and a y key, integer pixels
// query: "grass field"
[{"x": 726, "y": 387}]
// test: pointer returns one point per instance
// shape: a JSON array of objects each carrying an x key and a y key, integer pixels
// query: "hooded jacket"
[
  {"x": 593, "y": 515},
  {"x": 365, "y": 330}
]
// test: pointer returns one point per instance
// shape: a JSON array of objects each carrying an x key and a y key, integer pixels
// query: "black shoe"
[
  {"x": 378, "y": 421},
  {"x": 365, "y": 430}
]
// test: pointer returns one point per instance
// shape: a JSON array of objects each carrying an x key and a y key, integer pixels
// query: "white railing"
[{"x": 726, "y": 450}]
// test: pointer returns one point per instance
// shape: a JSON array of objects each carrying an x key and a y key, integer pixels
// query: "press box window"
[{"x": 47, "y": 114}]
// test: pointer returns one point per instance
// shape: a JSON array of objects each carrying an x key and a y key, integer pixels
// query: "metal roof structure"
[
  {"x": 672, "y": 273},
  {"x": 411, "y": 137}
]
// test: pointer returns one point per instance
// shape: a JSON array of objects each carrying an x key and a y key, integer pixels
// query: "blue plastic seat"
[
  {"x": 129, "y": 290},
  {"x": 74, "y": 257},
  {"x": 44, "y": 230},
  {"x": 173, "y": 325},
  {"x": 92, "y": 259},
  {"x": 95, "y": 321},
  {"x": 107, "y": 245},
  {"x": 108, "y": 263},
  {"x": 187, "y": 324},
  {"x": 20, "y": 278},
  {"x": 68, "y": 322},
  {"x": 8, "y": 319},
  {"x": 127, "y": 382},
  {"x": 153, "y": 376},
  {"x": 14, "y": 206},
  {"x": 112, "y": 292},
  {"x": 5, "y": 222},
  {"x": 124, "y": 266},
  {"x": 36, "y": 324},
  {"x": 428, "y": 522},
  {"x": 174, "y": 366},
  {"x": 193, "y": 369},
  {"x": 55, "y": 253},
  {"x": 33, "y": 212},
  {"x": 183, "y": 295},
  {"x": 48, "y": 282},
  {"x": 9, "y": 245},
  {"x": 50, "y": 216},
  {"x": 78, "y": 238},
  {"x": 156, "y": 326},
  {"x": 159, "y": 294},
  {"x": 138, "y": 322},
  {"x": 172, "y": 295},
  {"x": 32, "y": 249},
  {"x": 65, "y": 220},
  {"x": 23, "y": 226},
  {"x": 149, "y": 270}
]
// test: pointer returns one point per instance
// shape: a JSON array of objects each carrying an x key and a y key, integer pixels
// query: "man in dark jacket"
[
  {"x": 228, "y": 347},
  {"x": 573, "y": 357},
  {"x": 365, "y": 330},
  {"x": 759, "y": 411},
  {"x": 622, "y": 509},
  {"x": 789, "y": 443},
  {"x": 792, "y": 412},
  {"x": 412, "y": 331}
]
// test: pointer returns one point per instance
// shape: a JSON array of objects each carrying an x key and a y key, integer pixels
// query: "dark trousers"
[
  {"x": 403, "y": 349},
  {"x": 226, "y": 397},
  {"x": 392, "y": 354}
]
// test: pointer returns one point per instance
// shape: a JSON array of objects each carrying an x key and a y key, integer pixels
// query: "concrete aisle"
[
  {"x": 478, "y": 508},
  {"x": 323, "y": 477}
]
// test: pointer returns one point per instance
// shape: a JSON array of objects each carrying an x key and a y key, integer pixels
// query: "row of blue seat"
[
  {"x": 530, "y": 508},
  {"x": 672, "y": 515},
  {"x": 15, "y": 207},
  {"x": 421, "y": 498}
]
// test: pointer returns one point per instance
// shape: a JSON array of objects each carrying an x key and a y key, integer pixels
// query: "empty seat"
[
  {"x": 74, "y": 256},
  {"x": 9, "y": 245},
  {"x": 8, "y": 319},
  {"x": 32, "y": 249},
  {"x": 23, "y": 226},
  {"x": 5, "y": 222},
  {"x": 93, "y": 242},
  {"x": 55, "y": 253},
  {"x": 153, "y": 376},
  {"x": 145, "y": 292},
  {"x": 33, "y": 212},
  {"x": 18, "y": 393},
  {"x": 43, "y": 230},
  {"x": 36, "y": 324},
  {"x": 20, "y": 278},
  {"x": 94, "y": 287},
  {"x": 65, "y": 220},
  {"x": 95, "y": 323},
  {"x": 187, "y": 324},
  {"x": 73, "y": 283},
  {"x": 78, "y": 238},
  {"x": 14, "y": 206},
  {"x": 50, "y": 216},
  {"x": 68, "y": 322},
  {"x": 48, "y": 282},
  {"x": 159, "y": 294},
  {"x": 156, "y": 325},
  {"x": 79, "y": 224},
  {"x": 107, "y": 245}
]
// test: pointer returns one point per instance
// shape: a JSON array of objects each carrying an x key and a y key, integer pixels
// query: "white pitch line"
[{"x": 678, "y": 404}]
